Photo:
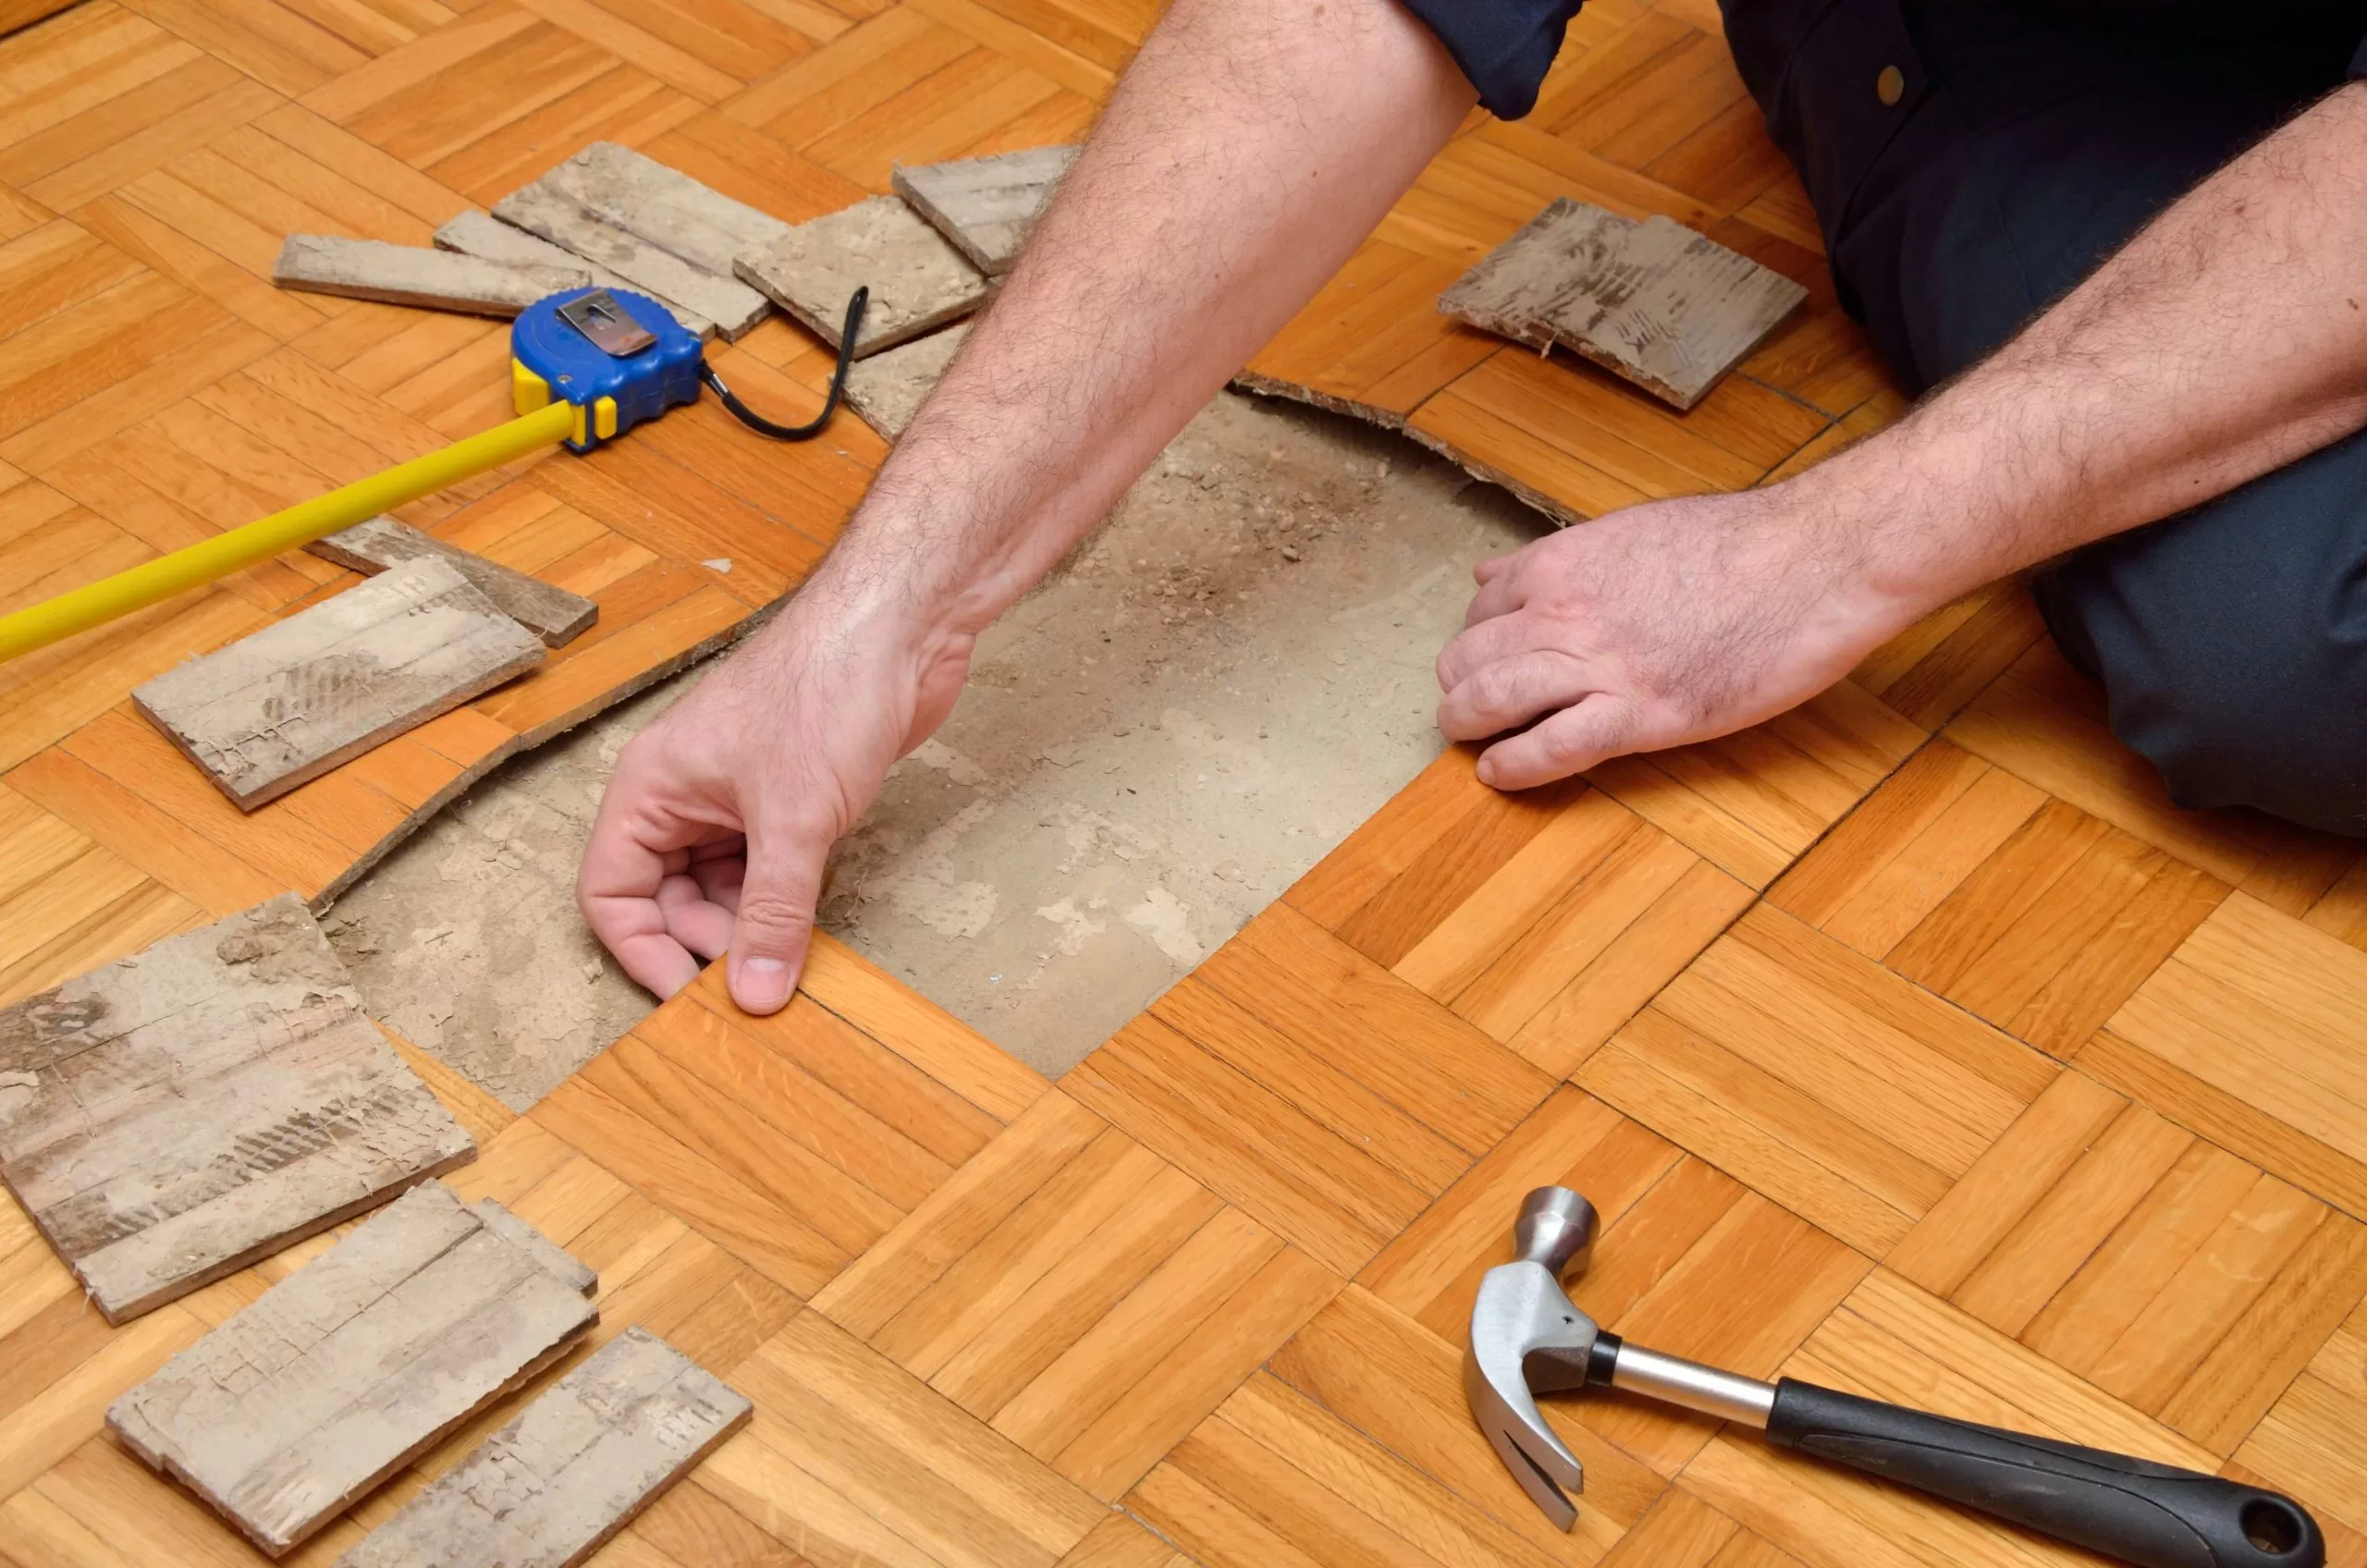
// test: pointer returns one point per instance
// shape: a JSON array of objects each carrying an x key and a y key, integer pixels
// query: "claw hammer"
[{"x": 1529, "y": 1336}]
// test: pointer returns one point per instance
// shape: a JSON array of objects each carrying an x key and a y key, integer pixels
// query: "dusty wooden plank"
[
  {"x": 298, "y": 697},
  {"x": 416, "y": 275},
  {"x": 917, "y": 281},
  {"x": 574, "y": 1469},
  {"x": 381, "y": 544},
  {"x": 473, "y": 233},
  {"x": 1653, "y": 301},
  {"x": 175, "y": 1116},
  {"x": 664, "y": 206},
  {"x": 887, "y": 389},
  {"x": 986, "y": 205},
  {"x": 540, "y": 210},
  {"x": 353, "y": 1365}
]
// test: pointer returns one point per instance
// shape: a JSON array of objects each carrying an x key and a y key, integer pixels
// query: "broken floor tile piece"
[
  {"x": 887, "y": 389},
  {"x": 917, "y": 281},
  {"x": 473, "y": 233},
  {"x": 379, "y": 543},
  {"x": 1653, "y": 301},
  {"x": 292, "y": 701},
  {"x": 986, "y": 205},
  {"x": 664, "y": 206},
  {"x": 546, "y": 1491},
  {"x": 540, "y": 210},
  {"x": 356, "y": 1364},
  {"x": 414, "y": 275},
  {"x": 178, "y": 1115}
]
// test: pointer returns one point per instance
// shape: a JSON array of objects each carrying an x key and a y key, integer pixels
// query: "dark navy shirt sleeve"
[
  {"x": 2359, "y": 63},
  {"x": 1504, "y": 47}
]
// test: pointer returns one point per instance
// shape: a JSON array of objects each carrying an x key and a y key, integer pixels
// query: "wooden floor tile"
[
  {"x": 2045, "y": 723},
  {"x": 1372, "y": 343},
  {"x": 850, "y": 1455},
  {"x": 1079, "y": 1294},
  {"x": 793, "y": 1142},
  {"x": 1357, "y": 1446},
  {"x": 1751, "y": 803},
  {"x": 2161, "y": 1269},
  {"x": 1119, "y": 1542},
  {"x": 2250, "y": 1034},
  {"x": 1929, "y": 671},
  {"x": 2313, "y": 1440},
  {"x": 2017, "y": 907},
  {"x": 1808, "y": 1071},
  {"x": 1684, "y": 1532},
  {"x": 1260, "y": 1080}
]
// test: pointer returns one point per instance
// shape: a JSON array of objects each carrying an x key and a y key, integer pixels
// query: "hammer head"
[{"x": 1528, "y": 1335}]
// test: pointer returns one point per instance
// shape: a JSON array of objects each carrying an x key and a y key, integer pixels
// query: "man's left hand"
[{"x": 1666, "y": 623}]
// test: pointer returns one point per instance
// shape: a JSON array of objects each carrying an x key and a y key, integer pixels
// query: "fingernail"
[
  {"x": 1485, "y": 772},
  {"x": 762, "y": 984}
]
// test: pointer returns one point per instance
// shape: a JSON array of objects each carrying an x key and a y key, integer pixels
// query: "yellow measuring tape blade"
[{"x": 38, "y": 625}]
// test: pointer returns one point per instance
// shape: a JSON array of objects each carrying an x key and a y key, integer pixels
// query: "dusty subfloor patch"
[
  {"x": 465, "y": 940},
  {"x": 1218, "y": 688},
  {"x": 1223, "y": 684}
]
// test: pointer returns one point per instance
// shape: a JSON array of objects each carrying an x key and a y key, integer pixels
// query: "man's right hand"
[{"x": 720, "y": 815}]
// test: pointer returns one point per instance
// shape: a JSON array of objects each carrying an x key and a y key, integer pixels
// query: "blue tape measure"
[{"x": 620, "y": 357}]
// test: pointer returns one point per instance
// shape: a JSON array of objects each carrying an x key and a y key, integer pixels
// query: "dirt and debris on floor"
[{"x": 1216, "y": 690}]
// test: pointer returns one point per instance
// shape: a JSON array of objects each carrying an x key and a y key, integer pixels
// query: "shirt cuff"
[{"x": 1504, "y": 47}]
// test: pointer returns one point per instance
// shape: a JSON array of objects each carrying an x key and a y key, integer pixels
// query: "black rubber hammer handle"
[{"x": 2153, "y": 1515}]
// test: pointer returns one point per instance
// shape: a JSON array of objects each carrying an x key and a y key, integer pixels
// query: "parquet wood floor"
[{"x": 1912, "y": 1042}]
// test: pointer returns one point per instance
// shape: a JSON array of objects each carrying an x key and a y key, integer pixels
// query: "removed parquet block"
[
  {"x": 888, "y": 390},
  {"x": 664, "y": 206},
  {"x": 473, "y": 233},
  {"x": 174, "y": 1117},
  {"x": 917, "y": 281},
  {"x": 326, "y": 684},
  {"x": 986, "y": 205},
  {"x": 574, "y": 1469},
  {"x": 1653, "y": 301},
  {"x": 381, "y": 544},
  {"x": 414, "y": 275},
  {"x": 540, "y": 210},
  {"x": 355, "y": 1365}
]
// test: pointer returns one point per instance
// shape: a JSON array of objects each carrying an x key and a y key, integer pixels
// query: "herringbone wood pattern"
[{"x": 1912, "y": 1041}]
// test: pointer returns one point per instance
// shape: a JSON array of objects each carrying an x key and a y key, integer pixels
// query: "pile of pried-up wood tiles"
[{"x": 1911, "y": 1042}]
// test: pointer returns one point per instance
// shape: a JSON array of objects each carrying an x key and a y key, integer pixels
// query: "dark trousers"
[{"x": 2024, "y": 147}]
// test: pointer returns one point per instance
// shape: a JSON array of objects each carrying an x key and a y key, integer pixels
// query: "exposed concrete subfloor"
[{"x": 1215, "y": 690}]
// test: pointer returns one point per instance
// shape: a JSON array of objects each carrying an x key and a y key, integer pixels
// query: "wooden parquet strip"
[{"x": 1958, "y": 1066}]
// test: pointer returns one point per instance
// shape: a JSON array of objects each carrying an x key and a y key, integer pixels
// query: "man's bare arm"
[
  {"x": 2226, "y": 340},
  {"x": 1251, "y": 145}
]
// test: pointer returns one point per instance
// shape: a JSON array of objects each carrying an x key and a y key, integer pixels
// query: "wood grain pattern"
[
  {"x": 173, "y": 1118},
  {"x": 662, "y": 205},
  {"x": 919, "y": 283},
  {"x": 473, "y": 233},
  {"x": 552, "y": 1487},
  {"x": 341, "y": 1374},
  {"x": 551, "y": 613},
  {"x": 986, "y": 206},
  {"x": 1080, "y": 1296},
  {"x": 290, "y": 703},
  {"x": 887, "y": 388},
  {"x": 1665, "y": 307},
  {"x": 540, "y": 210},
  {"x": 413, "y": 275}
]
